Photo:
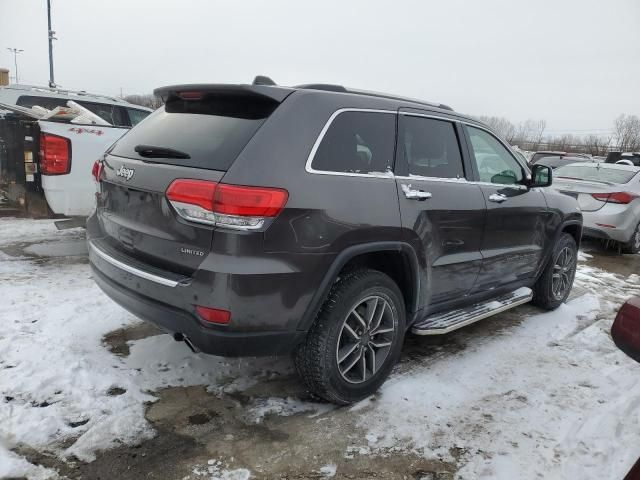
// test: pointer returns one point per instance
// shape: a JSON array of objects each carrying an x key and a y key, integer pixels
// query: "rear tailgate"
[
  {"x": 138, "y": 220},
  {"x": 73, "y": 193},
  {"x": 198, "y": 136}
]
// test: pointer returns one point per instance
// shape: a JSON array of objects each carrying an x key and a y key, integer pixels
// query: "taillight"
[
  {"x": 230, "y": 206},
  {"x": 55, "y": 154},
  {"x": 625, "y": 330},
  {"x": 96, "y": 170},
  {"x": 213, "y": 315},
  {"x": 615, "y": 197}
]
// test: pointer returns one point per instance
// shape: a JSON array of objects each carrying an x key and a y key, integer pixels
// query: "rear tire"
[
  {"x": 554, "y": 285},
  {"x": 362, "y": 317},
  {"x": 633, "y": 245}
]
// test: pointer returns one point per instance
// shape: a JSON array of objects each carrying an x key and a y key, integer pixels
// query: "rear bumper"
[
  {"x": 207, "y": 340},
  {"x": 622, "y": 219}
]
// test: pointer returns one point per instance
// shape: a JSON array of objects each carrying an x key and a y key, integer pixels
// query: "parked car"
[
  {"x": 545, "y": 153},
  {"x": 323, "y": 222},
  {"x": 615, "y": 157},
  {"x": 609, "y": 196},
  {"x": 555, "y": 162},
  {"x": 53, "y": 145}
]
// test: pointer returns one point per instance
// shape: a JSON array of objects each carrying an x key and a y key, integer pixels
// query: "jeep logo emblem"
[{"x": 125, "y": 172}]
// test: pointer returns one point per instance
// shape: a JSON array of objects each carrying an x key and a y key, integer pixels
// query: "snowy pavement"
[{"x": 525, "y": 394}]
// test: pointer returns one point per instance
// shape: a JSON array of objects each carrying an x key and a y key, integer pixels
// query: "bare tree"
[
  {"x": 147, "y": 100},
  {"x": 503, "y": 127},
  {"x": 596, "y": 144},
  {"x": 626, "y": 130}
]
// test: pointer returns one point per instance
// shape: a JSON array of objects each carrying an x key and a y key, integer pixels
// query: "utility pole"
[
  {"x": 52, "y": 37},
  {"x": 15, "y": 52}
]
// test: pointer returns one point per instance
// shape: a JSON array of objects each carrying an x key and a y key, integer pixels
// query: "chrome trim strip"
[
  {"x": 420, "y": 178},
  {"x": 309, "y": 169},
  {"x": 323, "y": 132},
  {"x": 437, "y": 117},
  {"x": 132, "y": 270}
]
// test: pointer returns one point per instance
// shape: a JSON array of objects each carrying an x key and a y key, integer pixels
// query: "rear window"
[
  {"x": 136, "y": 116},
  {"x": 538, "y": 156},
  {"x": 211, "y": 132},
  {"x": 602, "y": 174},
  {"x": 114, "y": 114}
]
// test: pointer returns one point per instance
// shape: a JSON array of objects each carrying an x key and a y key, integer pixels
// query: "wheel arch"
[{"x": 396, "y": 259}]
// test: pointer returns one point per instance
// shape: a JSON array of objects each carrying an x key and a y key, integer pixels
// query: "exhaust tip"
[{"x": 180, "y": 337}]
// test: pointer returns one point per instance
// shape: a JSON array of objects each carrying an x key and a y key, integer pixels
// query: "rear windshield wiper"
[{"x": 150, "y": 151}]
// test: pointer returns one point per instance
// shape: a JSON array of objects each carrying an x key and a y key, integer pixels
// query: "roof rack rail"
[
  {"x": 404, "y": 99},
  {"x": 340, "y": 89},
  {"x": 323, "y": 86}
]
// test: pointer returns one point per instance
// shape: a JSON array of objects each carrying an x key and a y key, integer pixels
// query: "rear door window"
[
  {"x": 429, "y": 147},
  {"x": 207, "y": 133},
  {"x": 357, "y": 142}
]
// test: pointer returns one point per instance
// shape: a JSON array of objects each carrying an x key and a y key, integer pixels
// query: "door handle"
[
  {"x": 497, "y": 197},
  {"x": 412, "y": 194}
]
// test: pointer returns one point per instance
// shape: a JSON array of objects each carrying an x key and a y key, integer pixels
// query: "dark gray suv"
[{"x": 323, "y": 222}]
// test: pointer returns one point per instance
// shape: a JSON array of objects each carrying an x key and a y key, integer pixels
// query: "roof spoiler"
[{"x": 275, "y": 93}]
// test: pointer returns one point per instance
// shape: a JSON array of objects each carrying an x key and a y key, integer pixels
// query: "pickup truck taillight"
[
  {"x": 55, "y": 154},
  {"x": 96, "y": 170},
  {"x": 230, "y": 206}
]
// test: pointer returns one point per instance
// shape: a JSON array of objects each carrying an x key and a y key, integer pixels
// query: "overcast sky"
[{"x": 575, "y": 63}]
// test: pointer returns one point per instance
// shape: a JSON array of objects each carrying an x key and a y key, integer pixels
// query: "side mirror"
[
  {"x": 625, "y": 331},
  {"x": 541, "y": 176}
]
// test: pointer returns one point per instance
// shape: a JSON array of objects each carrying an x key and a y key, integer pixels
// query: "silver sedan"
[{"x": 609, "y": 196}]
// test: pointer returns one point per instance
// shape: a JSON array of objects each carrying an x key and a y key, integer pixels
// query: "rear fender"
[{"x": 350, "y": 253}]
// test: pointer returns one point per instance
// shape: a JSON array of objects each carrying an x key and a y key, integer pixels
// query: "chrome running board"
[{"x": 446, "y": 322}]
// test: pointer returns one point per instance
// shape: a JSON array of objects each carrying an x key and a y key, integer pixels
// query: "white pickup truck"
[{"x": 68, "y": 132}]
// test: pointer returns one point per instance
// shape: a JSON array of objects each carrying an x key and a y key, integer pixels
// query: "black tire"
[
  {"x": 633, "y": 245},
  {"x": 545, "y": 293},
  {"x": 317, "y": 358}
]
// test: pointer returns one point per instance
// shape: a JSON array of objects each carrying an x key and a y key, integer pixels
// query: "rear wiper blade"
[{"x": 151, "y": 151}]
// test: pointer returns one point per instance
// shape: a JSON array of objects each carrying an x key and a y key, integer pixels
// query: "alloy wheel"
[
  {"x": 367, "y": 334},
  {"x": 563, "y": 273}
]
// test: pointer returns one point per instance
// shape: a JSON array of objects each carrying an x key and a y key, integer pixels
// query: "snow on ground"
[
  {"x": 215, "y": 470},
  {"x": 61, "y": 390},
  {"x": 551, "y": 397}
]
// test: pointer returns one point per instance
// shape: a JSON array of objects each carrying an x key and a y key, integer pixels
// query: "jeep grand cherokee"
[{"x": 323, "y": 222}]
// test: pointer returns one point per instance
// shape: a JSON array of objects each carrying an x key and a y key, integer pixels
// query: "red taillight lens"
[
  {"x": 231, "y": 206},
  {"x": 190, "y": 95},
  {"x": 616, "y": 197},
  {"x": 55, "y": 154},
  {"x": 214, "y": 315},
  {"x": 96, "y": 170},
  {"x": 193, "y": 192},
  {"x": 249, "y": 201},
  {"x": 625, "y": 330}
]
